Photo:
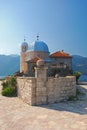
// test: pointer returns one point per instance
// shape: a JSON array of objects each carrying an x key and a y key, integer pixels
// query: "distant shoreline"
[
  {"x": 82, "y": 83},
  {"x": 1, "y": 77}
]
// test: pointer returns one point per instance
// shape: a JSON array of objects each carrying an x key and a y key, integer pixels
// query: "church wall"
[
  {"x": 67, "y": 61},
  {"x": 31, "y": 71},
  {"x": 33, "y": 54}
]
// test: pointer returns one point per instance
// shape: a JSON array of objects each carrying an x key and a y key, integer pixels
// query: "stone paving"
[{"x": 16, "y": 115}]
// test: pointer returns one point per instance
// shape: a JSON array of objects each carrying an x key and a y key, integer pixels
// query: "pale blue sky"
[{"x": 62, "y": 24}]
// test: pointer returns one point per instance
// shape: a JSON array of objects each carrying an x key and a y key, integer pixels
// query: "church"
[{"x": 58, "y": 63}]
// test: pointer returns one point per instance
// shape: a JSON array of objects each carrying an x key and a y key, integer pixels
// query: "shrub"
[
  {"x": 12, "y": 81},
  {"x": 9, "y": 87},
  {"x": 5, "y": 84},
  {"x": 9, "y": 91}
]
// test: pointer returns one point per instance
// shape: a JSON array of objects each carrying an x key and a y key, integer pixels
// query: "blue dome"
[{"x": 39, "y": 46}]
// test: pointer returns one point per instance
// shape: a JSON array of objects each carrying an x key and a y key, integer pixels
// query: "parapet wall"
[
  {"x": 26, "y": 89},
  {"x": 36, "y": 91},
  {"x": 60, "y": 89}
]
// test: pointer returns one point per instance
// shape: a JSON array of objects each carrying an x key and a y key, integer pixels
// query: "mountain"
[
  {"x": 79, "y": 64},
  {"x": 9, "y": 64}
]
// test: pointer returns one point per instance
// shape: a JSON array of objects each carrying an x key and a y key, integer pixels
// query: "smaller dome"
[
  {"x": 24, "y": 46},
  {"x": 24, "y": 43}
]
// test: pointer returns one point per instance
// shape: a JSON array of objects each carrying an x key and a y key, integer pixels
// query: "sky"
[{"x": 61, "y": 24}]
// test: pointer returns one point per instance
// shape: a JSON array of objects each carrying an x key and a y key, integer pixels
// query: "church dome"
[
  {"x": 39, "y": 46},
  {"x": 24, "y": 46},
  {"x": 24, "y": 43}
]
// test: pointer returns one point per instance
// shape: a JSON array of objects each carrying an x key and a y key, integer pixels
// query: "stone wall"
[
  {"x": 60, "y": 89},
  {"x": 36, "y": 91},
  {"x": 26, "y": 89}
]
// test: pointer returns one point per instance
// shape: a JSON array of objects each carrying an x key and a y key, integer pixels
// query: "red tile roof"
[
  {"x": 35, "y": 59},
  {"x": 60, "y": 54}
]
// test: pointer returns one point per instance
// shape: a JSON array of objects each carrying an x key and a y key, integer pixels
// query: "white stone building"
[{"x": 59, "y": 62}]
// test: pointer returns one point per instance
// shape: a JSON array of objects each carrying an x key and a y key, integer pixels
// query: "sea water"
[
  {"x": 2, "y": 77},
  {"x": 83, "y": 78}
]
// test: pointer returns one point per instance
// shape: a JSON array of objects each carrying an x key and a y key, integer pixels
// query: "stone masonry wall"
[
  {"x": 26, "y": 89},
  {"x": 36, "y": 91},
  {"x": 60, "y": 89}
]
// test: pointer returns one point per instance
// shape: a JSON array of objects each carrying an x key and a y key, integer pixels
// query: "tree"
[{"x": 77, "y": 74}]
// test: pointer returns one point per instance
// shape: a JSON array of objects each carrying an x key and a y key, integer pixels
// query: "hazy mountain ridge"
[
  {"x": 79, "y": 63},
  {"x": 9, "y": 64}
]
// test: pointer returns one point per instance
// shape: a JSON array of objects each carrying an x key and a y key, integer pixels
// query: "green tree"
[{"x": 77, "y": 74}]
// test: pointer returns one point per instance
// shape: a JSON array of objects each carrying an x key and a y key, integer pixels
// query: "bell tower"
[{"x": 23, "y": 64}]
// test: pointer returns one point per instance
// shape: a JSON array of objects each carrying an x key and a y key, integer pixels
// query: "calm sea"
[
  {"x": 83, "y": 78},
  {"x": 1, "y": 77}
]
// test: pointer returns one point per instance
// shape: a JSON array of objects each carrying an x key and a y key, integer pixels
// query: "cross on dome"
[
  {"x": 24, "y": 39},
  {"x": 37, "y": 37}
]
